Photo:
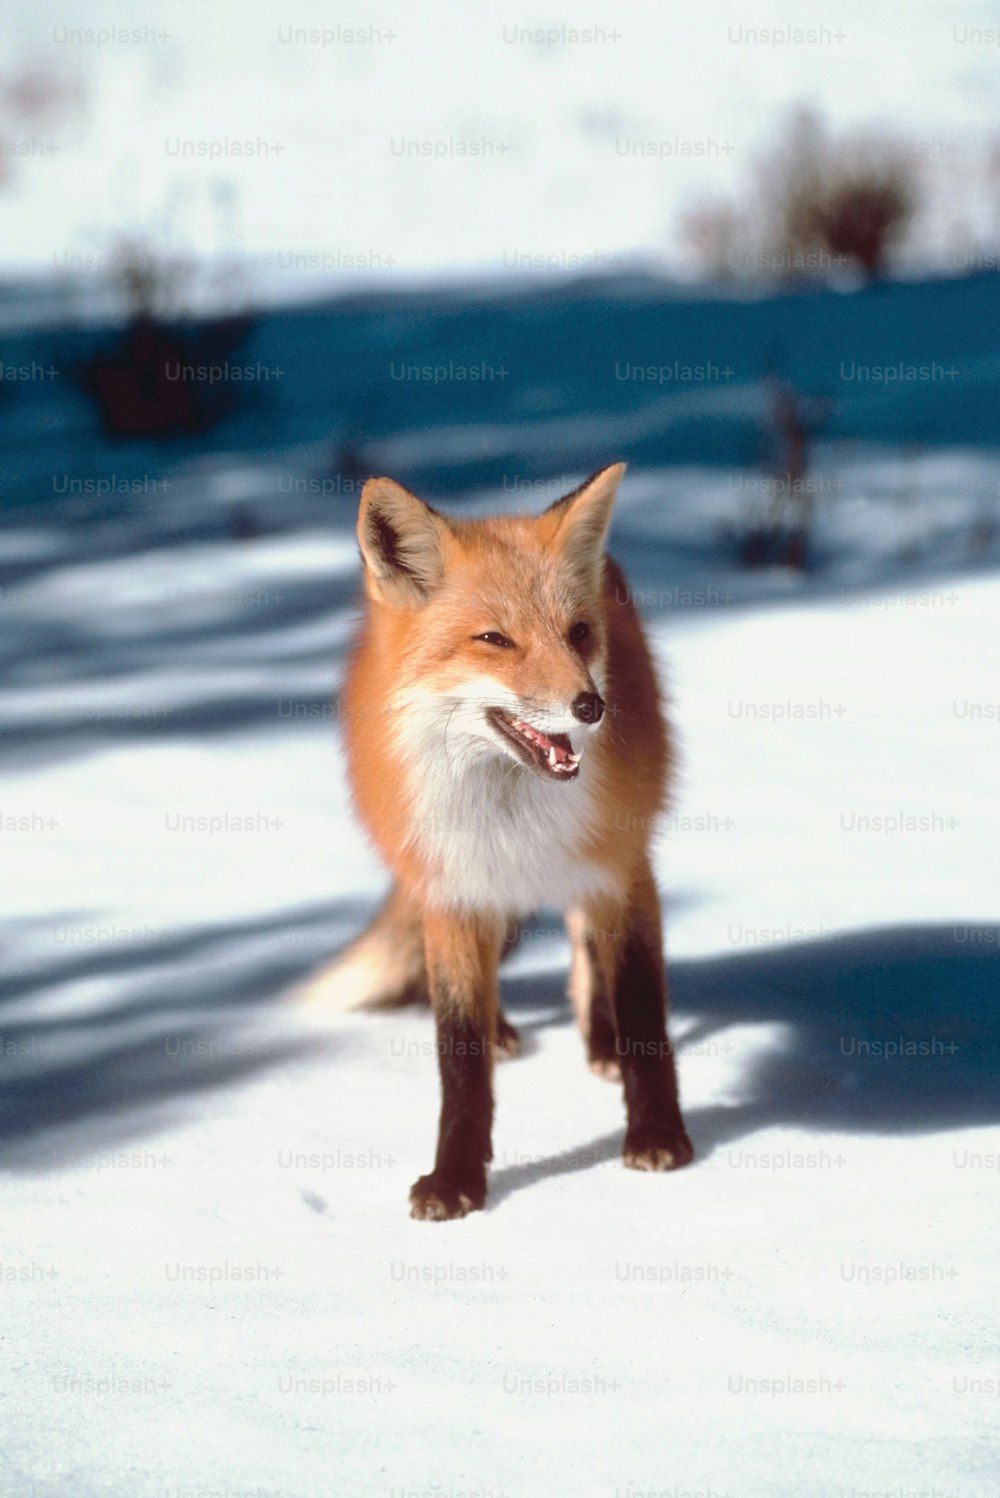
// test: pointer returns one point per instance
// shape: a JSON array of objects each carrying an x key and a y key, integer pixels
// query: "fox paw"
[
  {"x": 508, "y": 1042},
  {"x": 657, "y": 1149},
  {"x": 438, "y": 1198}
]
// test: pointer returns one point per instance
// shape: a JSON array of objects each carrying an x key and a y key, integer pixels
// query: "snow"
[
  {"x": 211, "y": 1284},
  {"x": 245, "y": 135}
]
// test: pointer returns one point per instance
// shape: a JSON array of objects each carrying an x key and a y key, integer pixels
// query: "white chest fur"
[
  {"x": 498, "y": 837},
  {"x": 493, "y": 834}
]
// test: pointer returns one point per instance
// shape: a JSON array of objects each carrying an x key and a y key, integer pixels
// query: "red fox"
[{"x": 507, "y": 750}]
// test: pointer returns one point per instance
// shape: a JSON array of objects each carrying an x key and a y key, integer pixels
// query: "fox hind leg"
[{"x": 590, "y": 992}]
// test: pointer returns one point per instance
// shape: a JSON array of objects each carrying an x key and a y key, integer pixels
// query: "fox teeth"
[{"x": 553, "y": 761}]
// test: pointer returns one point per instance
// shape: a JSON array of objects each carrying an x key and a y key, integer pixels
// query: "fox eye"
[
  {"x": 494, "y": 637},
  {"x": 579, "y": 633}
]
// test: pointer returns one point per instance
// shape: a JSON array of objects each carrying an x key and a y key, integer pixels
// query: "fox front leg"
[
  {"x": 625, "y": 946},
  {"x": 462, "y": 953}
]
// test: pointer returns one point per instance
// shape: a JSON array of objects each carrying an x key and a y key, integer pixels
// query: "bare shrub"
[
  {"x": 149, "y": 383},
  {"x": 816, "y": 203},
  {"x": 775, "y": 524}
]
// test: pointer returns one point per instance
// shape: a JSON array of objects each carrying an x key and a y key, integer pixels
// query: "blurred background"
[
  {"x": 251, "y": 254},
  {"x": 719, "y": 239},
  {"x": 475, "y": 250}
]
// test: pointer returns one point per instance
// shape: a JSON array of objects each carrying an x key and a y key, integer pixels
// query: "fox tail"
[{"x": 383, "y": 968}]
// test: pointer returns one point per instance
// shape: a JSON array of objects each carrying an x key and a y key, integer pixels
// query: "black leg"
[
  {"x": 457, "y": 1184},
  {"x": 656, "y": 1138},
  {"x": 461, "y": 966}
]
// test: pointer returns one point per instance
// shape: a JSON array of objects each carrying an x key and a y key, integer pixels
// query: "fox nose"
[{"x": 588, "y": 707}]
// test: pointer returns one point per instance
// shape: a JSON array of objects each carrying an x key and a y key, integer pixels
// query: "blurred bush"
[
  {"x": 169, "y": 371},
  {"x": 817, "y": 205}
]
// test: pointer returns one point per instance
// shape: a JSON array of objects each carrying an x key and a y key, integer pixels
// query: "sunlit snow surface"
[{"x": 210, "y": 1280}]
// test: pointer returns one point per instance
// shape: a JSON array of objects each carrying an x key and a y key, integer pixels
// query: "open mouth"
[{"x": 550, "y": 753}]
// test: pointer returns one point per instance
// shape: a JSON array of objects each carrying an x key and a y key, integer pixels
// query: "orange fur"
[{"x": 505, "y": 572}]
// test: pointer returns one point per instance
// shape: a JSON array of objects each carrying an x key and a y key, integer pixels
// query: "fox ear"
[
  {"x": 576, "y": 526},
  {"x": 402, "y": 542}
]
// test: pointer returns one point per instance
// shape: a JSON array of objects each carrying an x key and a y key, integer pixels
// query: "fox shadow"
[
  {"x": 189, "y": 1013},
  {"x": 886, "y": 1031},
  {"x": 883, "y": 1031}
]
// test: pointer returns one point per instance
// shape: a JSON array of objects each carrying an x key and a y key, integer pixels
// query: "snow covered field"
[
  {"x": 210, "y": 1281},
  {"x": 536, "y": 140}
]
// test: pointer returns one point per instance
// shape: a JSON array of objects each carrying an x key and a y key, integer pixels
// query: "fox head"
[{"x": 493, "y": 630}]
